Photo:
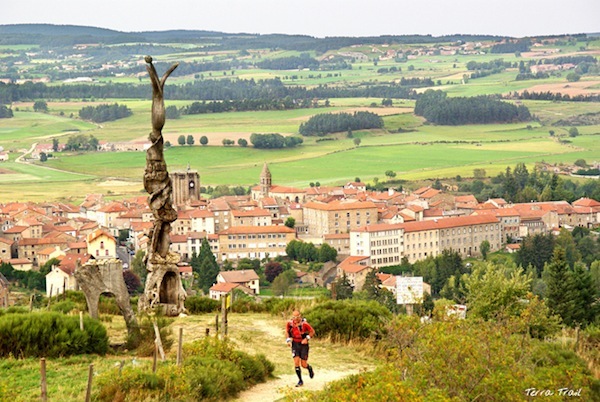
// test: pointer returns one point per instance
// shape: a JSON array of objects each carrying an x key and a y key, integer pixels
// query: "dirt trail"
[
  {"x": 284, "y": 384},
  {"x": 276, "y": 389}
]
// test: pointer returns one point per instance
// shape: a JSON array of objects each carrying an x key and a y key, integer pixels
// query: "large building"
[
  {"x": 239, "y": 242},
  {"x": 461, "y": 234},
  {"x": 382, "y": 243},
  {"x": 338, "y": 216},
  {"x": 387, "y": 244}
]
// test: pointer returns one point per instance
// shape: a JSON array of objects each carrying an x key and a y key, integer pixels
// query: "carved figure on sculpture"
[
  {"x": 164, "y": 289},
  {"x": 156, "y": 178}
]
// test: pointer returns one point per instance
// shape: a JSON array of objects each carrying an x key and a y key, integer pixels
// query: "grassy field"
[{"x": 422, "y": 151}]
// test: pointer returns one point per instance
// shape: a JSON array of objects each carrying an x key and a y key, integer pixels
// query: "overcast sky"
[{"x": 317, "y": 17}]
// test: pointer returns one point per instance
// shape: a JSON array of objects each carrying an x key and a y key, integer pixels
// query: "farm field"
[
  {"x": 407, "y": 144},
  {"x": 422, "y": 152}
]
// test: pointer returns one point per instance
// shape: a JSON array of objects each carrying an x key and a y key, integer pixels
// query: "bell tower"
[
  {"x": 265, "y": 181},
  {"x": 186, "y": 186}
]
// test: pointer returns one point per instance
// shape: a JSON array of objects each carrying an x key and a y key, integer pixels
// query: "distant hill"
[
  {"x": 49, "y": 34},
  {"x": 56, "y": 30}
]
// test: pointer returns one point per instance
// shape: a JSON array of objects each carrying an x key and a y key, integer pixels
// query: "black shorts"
[{"x": 299, "y": 349}]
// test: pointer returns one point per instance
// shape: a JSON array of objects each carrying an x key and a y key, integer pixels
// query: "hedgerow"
[
  {"x": 50, "y": 335},
  {"x": 200, "y": 305},
  {"x": 347, "y": 320}
]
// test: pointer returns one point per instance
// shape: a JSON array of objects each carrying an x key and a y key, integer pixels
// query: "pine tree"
[
  {"x": 559, "y": 291},
  {"x": 343, "y": 288},
  {"x": 371, "y": 286},
  {"x": 205, "y": 264},
  {"x": 583, "y": 297}
]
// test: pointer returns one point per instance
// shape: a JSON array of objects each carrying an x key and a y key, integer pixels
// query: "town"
[{"x": 368, "y": 229}]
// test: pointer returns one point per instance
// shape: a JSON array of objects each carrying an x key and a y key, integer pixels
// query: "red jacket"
[{"x": 298, "y": 332}]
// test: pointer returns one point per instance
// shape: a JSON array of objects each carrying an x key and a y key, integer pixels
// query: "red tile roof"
[{"x": 340, "y": 205}]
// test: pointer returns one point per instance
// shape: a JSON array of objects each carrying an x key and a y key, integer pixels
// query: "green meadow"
[{"x": 420, "y": 151}]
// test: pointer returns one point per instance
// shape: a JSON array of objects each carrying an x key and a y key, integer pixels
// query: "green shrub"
[
  {"x": 14, "y": 310},
  {"x": 50, "y": 335},
  {"x": 200, "y": 305},
  {"x": 381, "y": 385},
  {"x": 213, "y": 379},
  {"x": 130, "y": 384},
  {"x": 108, "y": 305},
  {"x": 212, "y": 370},
  {"x": 145, "y": 344},
  {"x": 247, "y": 305},
  {"x": 65, "y": 306},
  {"x": 285, "y": 306},
  {"x": 348, "y": 320}
]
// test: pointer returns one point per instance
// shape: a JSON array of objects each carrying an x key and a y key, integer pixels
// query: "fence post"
[
  {"x": 31, "y": 303},
  {"x": 50, "y": 296},
  {"x": 179, "y": 351},
  {"x": 207, "y": 331},
  {"x": 88, "y": 392},
  {"x": 81, "y": 320},
  {"x": 158, "y": 341},
  {"x": 217, "y": 324},
  {"x": 155, "y": 356},
  {"x": 224, "y": 312},
  {"x": 43, "y": 379}
]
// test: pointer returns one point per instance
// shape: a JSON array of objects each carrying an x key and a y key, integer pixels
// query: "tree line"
[
  {"x": 437, "y": 108},
  {"x": 520, "y": 185},
  {"x": 103, "y": 113},
  {"x": 274, "y": 141},
  {"x": 322, "y": 124},
  {"x": 246, "y": 104},
  {"x": 224, "y": 89},
  {"x": 521, "y": 45},
  {"x": 554, "y": 96}
]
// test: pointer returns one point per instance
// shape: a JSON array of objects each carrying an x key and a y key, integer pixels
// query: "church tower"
[
  {"x": 265, "y": 181},
  {"x": 186, "y": 186}
]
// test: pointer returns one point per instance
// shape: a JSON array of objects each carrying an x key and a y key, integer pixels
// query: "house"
[
  {"x": 100, "y": 244},
  {"x": 29, "y": 248},
  {"x": 247, "y": 278},
  {"x": 21, "y": 264},
  {"x": 61, "y": 277},
  {"x": 194, "y": 242},
  {"x": 221, "y": 289},
  {"x": 5, "y": 249},
  {"x": 179, "y": 245},
  {"x": 340, "y": 242},
  {"x": 252, "y": 217},
  {"x": 185, "y": 271},
  {"x": 202, "y": 220},
  {"x": 49, "y": 253},
  {"x": 512, "y": 248},
  {"x": 355, "y": 269}
]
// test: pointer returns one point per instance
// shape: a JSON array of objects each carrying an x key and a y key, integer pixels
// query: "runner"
[{"x": 299, "y": 333}]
